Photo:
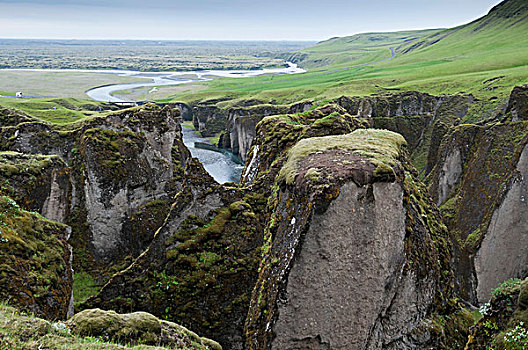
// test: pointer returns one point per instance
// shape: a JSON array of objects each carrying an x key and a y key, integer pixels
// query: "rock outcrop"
[
  {"x": 37, "y": 182},
  {"x": 137, "y": 328},
  {"x": 479, "y": 183},
  {"x": 518, "y": 104},
  {"x": 355, "y": 254},
  {"x": 35, "y": 262},
  {"x": 421, "y": 118},
  {"x": 114, "y": 207}
]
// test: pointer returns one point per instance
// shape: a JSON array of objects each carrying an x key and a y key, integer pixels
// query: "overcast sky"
[{"x": 228, "y": 19}]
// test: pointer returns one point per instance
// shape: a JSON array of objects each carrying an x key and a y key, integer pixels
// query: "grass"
[
  {"x": 381, "y": 147},
  {"x": 51, "y": 84},
  {"x": 84, "y": 286},
  {"x": 54, "y": 110},
  {"x": 188, "y": 124},
  {"x": 465, "y": 60}
]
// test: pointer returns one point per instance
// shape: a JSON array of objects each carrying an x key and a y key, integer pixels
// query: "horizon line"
[{"x": 229, "y": 40}]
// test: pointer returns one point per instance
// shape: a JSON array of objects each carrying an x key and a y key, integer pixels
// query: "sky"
[{"x": 312, "y": 20}]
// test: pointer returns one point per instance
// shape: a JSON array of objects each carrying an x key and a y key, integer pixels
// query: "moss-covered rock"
[
  {"x": 275, "y": 135},
  {"x": 136, "y": 328},
  {"x": 479, "y": 179},
  {"x": 111, "y": 161},
  {"x": 96, "y": 329},
  {"x": 518, "y": 104},
  {"x": 37, "y": 182},
  {"x": 202, "y": 263},
  {"x": 504, "y": 324},
  {"x": 345, "y": 242},
  {"x": 35, "y": 265}
]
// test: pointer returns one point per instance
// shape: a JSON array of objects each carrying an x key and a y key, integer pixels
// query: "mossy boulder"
[
  {"x": 35, "y": 265},
  {"x": 96, "y": 329},
  {"x": 136, "y": 328}
]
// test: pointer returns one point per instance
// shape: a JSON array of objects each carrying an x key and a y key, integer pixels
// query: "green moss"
[
  {"x": 34, "y": 256},
  {"x": 84, "y": 286},
  {"x": 130, "y": 331},
  {"x": 451, "y": 331},
  {"x": 380, "y": 147},
  {"x": 313, "y": 174}
]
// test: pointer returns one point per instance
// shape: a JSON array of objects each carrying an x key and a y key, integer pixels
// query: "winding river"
[
  {"x": 221, "y": 166},
  {"x": 104, "y": 93}
]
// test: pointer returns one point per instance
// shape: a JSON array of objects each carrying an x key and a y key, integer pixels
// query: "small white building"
[{"x": 18, "y": 95}]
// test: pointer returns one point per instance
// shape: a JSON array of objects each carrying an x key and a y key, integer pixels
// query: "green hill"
[
  {"x": 356, "y": 49},
  {"x": 486, "y": 58}
]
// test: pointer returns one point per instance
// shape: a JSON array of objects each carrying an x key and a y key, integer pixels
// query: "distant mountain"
[{"x": 356, "y": 49}]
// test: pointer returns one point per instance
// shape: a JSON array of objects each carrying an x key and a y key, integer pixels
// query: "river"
[
  {"x": 221, "y": 166},
  {"x": 104, "y": 93}
]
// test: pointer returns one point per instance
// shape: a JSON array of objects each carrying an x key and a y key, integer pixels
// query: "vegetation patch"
[
  {"x": 19, "y": 331},
  {"x": 380, "y": 147},
  {"x": 34, "y": 262}
]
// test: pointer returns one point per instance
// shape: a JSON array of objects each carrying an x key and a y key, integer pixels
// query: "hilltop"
[{"x": 485, "y": 58}]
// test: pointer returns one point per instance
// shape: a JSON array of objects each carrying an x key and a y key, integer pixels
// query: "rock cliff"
[
  {"x": 349, "y": 220},
  {"x": 114, "y": 207},
  {"x": 479, "y": 183}
]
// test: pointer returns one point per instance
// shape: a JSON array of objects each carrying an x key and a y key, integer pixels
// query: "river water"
[
  {"x": 221, "y": 166},
  {"x": 104, "y": 93}
]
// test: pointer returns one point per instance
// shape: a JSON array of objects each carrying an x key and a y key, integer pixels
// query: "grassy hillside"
[
  {"x": 357, "y": 49},
  {"x": 55, "y": 110},
  {"x": 486, "y": 58}
]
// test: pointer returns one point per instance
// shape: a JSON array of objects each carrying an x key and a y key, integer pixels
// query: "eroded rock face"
[
  {"x": 202, "y": 263},
  {"x": 503, "y": 253},
  {"x": 479, "y": 184},
  {"x": 241, "y": 134},
  {"x": 112, "y": 161},
  {"x": 518, "y": 104},
  {"x": 449, "y": 175},
  {"x": 344, "y": 264},
  {"x": 344, "y": 256},
  {"x": 38, "y": 182}
]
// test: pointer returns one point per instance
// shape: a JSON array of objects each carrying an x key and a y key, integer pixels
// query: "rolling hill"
[{"x": 486, "y": 58}]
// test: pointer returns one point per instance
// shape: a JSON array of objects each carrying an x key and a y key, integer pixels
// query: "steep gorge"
[{"x": 330, "y": 242}]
